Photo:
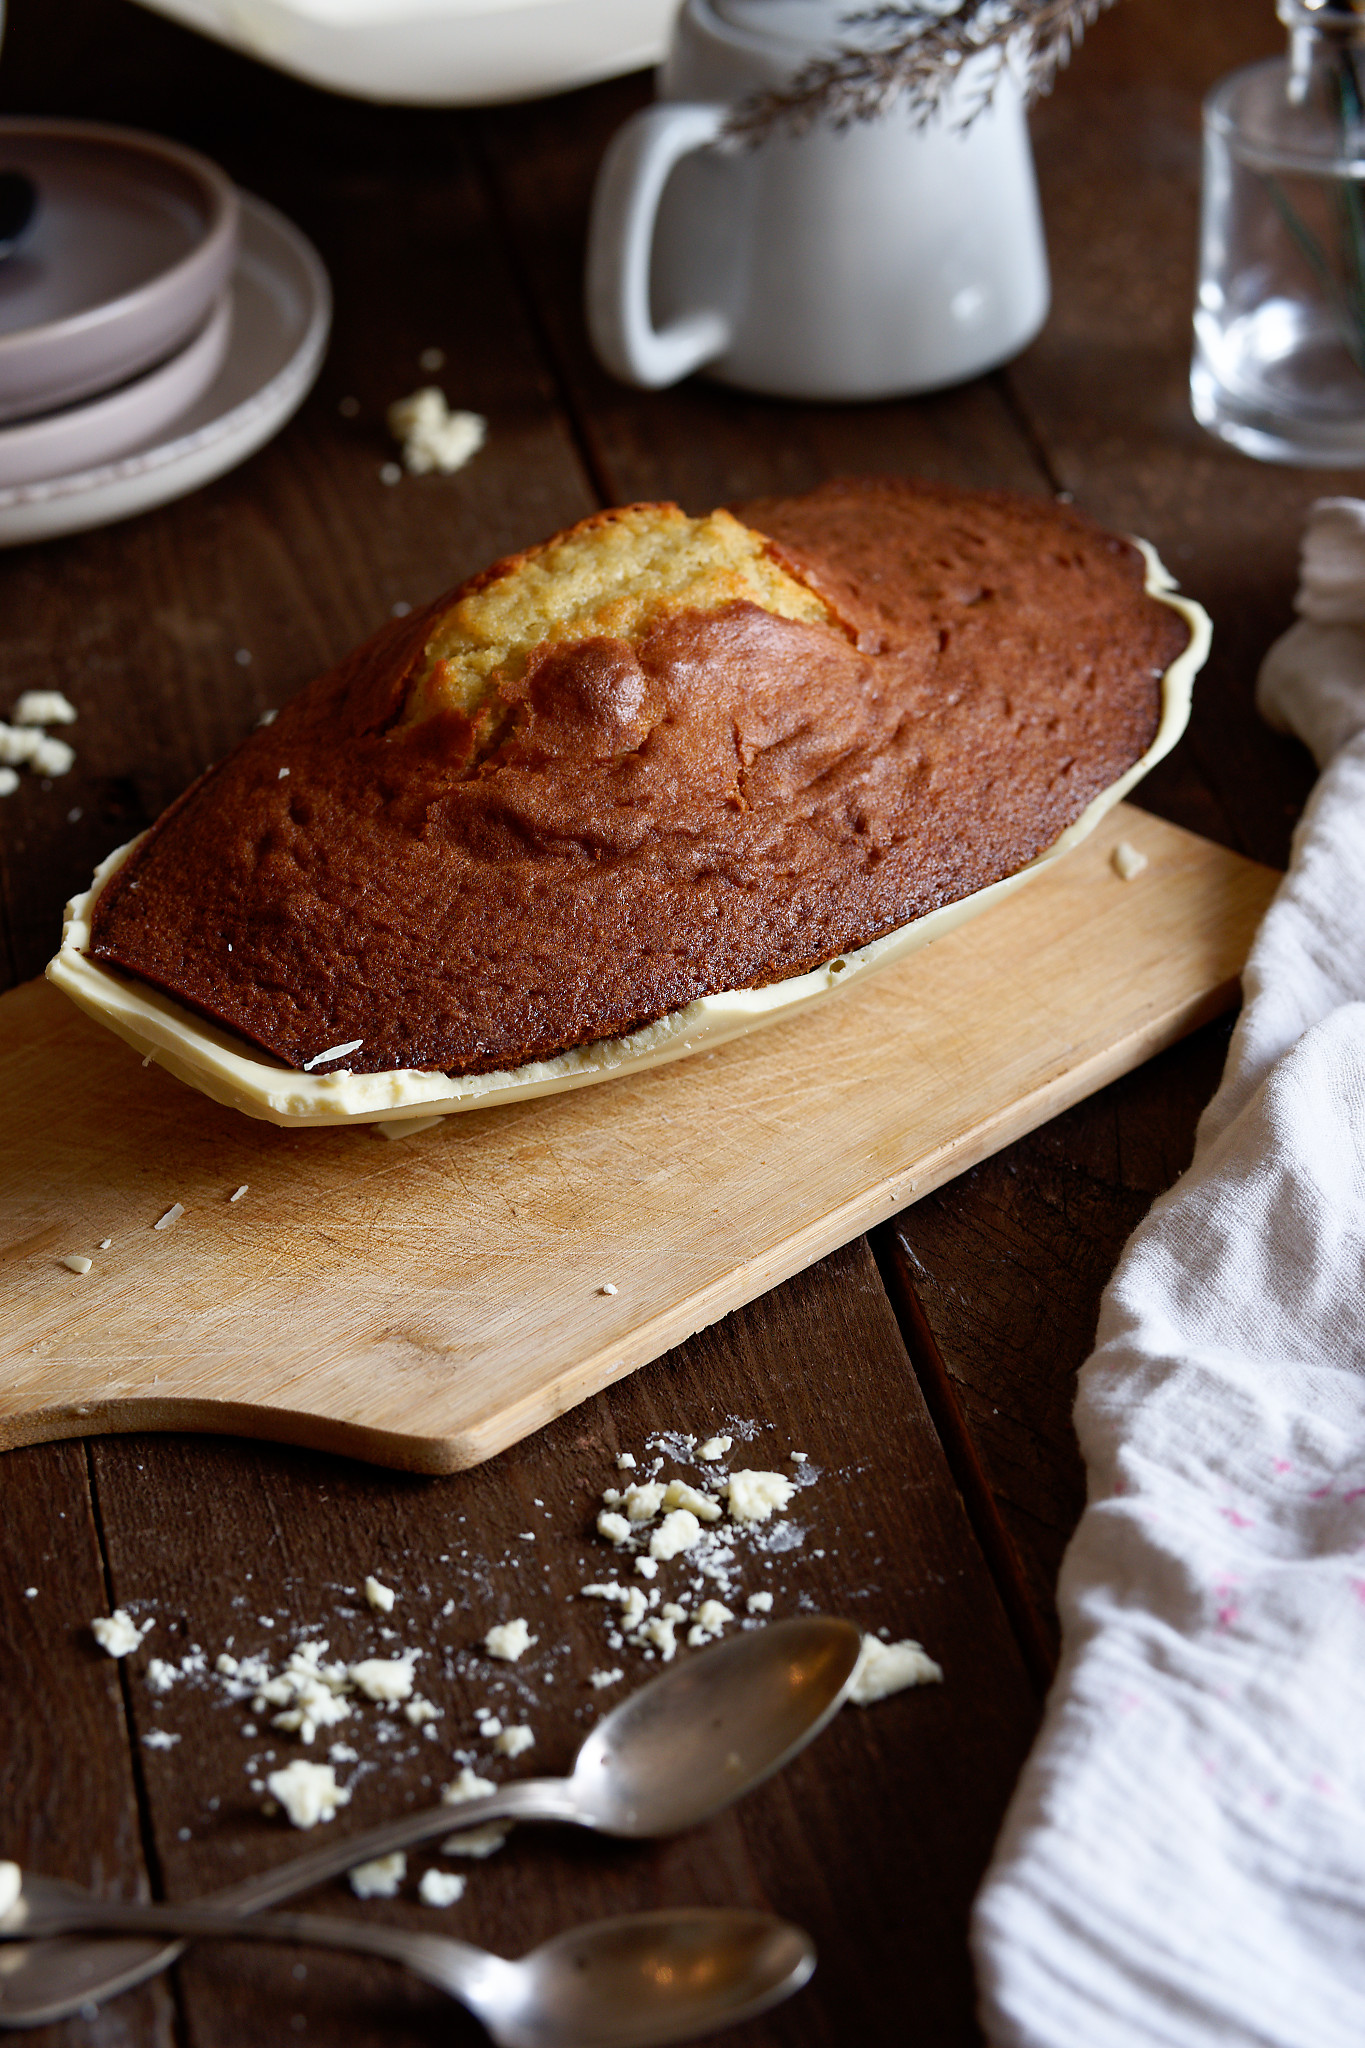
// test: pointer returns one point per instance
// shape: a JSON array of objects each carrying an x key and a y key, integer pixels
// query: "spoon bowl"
[
  {"x": 650, "y": 1978},
  {"x": 696, "y": 1739}
]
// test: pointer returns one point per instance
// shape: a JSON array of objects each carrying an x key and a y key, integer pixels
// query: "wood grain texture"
[
  {"x": 914, "y": 1783},
  {"x": 425, "y": 1303},
  {"x": 68, "y": 1777}
]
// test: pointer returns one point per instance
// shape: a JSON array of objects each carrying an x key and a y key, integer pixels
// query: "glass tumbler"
[{"x": 1279, "y": 326}]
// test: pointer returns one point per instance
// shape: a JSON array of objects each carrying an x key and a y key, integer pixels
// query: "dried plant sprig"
[{"x": 915, "y": 53}]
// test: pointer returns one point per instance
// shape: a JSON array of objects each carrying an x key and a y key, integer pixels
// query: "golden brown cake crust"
[{"x": 733, "y": 799}]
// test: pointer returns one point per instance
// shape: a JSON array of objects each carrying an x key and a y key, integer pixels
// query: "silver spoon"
[
  {"x": 677, "y": 1751},
  {"x": 633, "y": 1982}
]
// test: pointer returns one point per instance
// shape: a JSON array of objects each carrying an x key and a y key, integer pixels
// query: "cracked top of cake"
[{"x": 653, "y": 759}]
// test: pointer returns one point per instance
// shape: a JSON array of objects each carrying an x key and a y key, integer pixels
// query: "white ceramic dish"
[
  {"x": 445, "y": 53},
  {"x": 281, "y": 306},
  {"x": 217, "y": 1063},
  {"x": 132, "y": 245},
  {"x": 101, "y": 428}
]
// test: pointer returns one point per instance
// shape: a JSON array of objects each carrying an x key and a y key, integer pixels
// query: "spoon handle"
[
  {"x": 456, "y": 1966},
  {"x": 524, "y": 1799}
]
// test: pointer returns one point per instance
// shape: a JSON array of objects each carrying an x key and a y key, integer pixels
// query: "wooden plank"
[
  {"x": 70, "y": 1795},
  {"x": 429, "y": 1303},
  {"x": 874, "y": 1840}
]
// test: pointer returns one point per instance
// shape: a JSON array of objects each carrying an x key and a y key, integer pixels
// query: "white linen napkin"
[{"x": 1184, "y": 1859}]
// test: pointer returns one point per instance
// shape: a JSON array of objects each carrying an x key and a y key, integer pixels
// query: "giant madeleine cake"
[{"x": 655, "y": 758}]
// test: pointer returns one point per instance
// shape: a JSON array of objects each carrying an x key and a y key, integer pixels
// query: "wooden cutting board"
[{"x": 424, "y": 1302}]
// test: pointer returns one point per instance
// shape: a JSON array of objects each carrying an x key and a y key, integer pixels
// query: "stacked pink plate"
[{"x": 156, "y": 326}]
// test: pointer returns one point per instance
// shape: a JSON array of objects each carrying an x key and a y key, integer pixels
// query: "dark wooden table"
[{"x": 929, "y": 1368}]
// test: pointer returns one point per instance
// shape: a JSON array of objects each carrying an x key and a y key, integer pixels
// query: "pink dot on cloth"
[{"x": 1238, "y": 1521}]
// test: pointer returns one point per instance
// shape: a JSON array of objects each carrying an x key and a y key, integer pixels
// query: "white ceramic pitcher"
[{"x": 841, "y": 264}]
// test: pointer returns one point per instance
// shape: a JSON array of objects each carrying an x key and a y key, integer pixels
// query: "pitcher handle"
[{"x": 625, "y": 207}]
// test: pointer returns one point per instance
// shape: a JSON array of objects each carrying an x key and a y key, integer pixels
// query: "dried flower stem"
[{"x": 914, "y": 53}]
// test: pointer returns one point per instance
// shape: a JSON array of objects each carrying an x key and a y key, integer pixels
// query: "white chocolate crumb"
[
  {"x": 759, "y": 1603},
  {"x": 159, "y": 1738},
  {"x": 606, "y": 1288},
  {"x": 383, "y": 1678},
  {"x": 884, "y": 1668},
  {"x": 172, "y": 1215},
  {"x": 406, "y": 1127},
  {"x": 237, "y": 1193},
  {"x": 75, "y": 1262},
  {"x": 432, "y": 436},
  {"x": 642, "y": 1503},
  {"x": 625, "y": 1461},
  {"x": 18, "y": 746},
  {"x": 119, "y": 1635},
  {"x": 614, "y": 1527},
  {"x": 647, "y": 1567},
  {"x": 43, "y": 707},
  {"x": 380, "y": 1878},
  {"x": 52, "y": 757},
  {"x": 714, "y": 1447},
  {"x": 754, "y": 1495},
  {"x": 421, "y": 1712},
  {"x": 514, "y": 1741},
  {"x": 680, "y": 1495},
  {"x": 480, "y": 1842},
  {"x": 9, "y": 781},
  {"x": 1126, "y": 861},
  {"x": 467, "y": 1786},
  {"x": 676, "y": 1533},
  {"x": 379, "y": 1596},
  {"x": 106, "y": 1244},
  {"x": 509, "y": 1640},
  {"x": 658, "y": 1632},
  {"x": 333, "y": 1052},
  {"x": 309, "y": 1793},
  {"x": 440, "y": 1887},
  {"x": 598, "y": 1680}
]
